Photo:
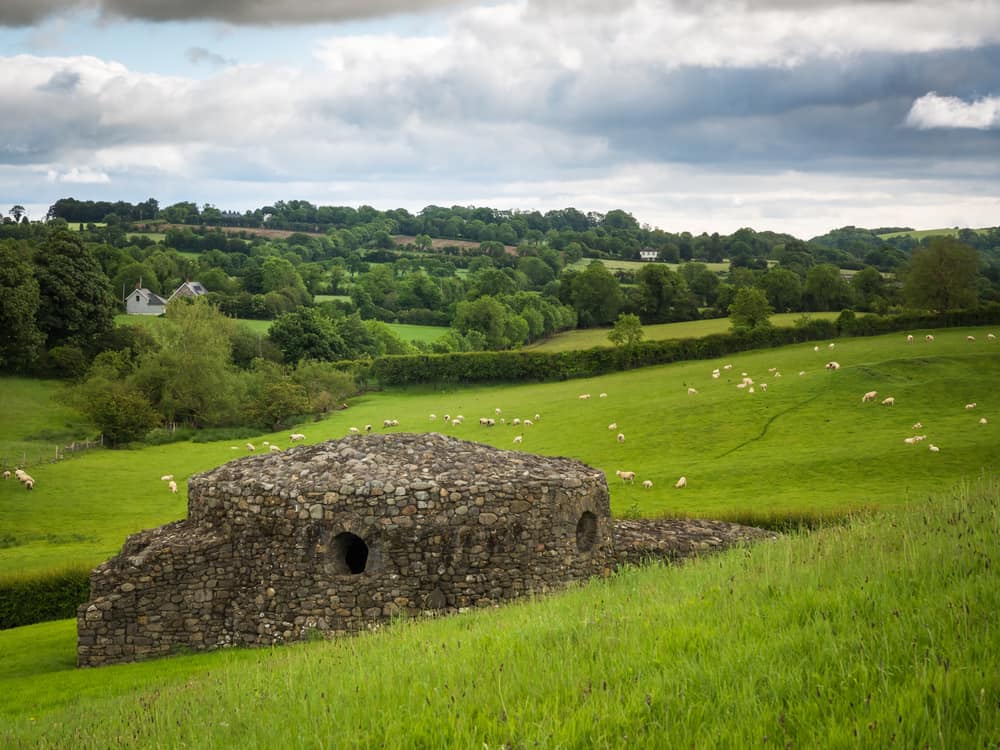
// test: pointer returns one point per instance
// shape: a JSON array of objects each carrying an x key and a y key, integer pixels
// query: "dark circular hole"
[
  {"x": 351, "y": 552},
  {"x": 586, "y": 531}
]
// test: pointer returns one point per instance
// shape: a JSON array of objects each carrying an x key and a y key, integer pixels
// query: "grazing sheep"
[
  {"x": 460, "y": 418},
  {"x": 928, "y": 338},
  {"x": 20, "y": 474},
  {"x": 716, "y": 374},
  {"x": 777, "y": 374},
  {"x": 772, "y": 370},
  {"x": 970, "y": 338},
  {"x": 801, "y": 373},
  {"x": 251, "y": 447},
  {"x": 528, "y": 422},
  {"x": 274, "y": 449},
  {"x": 584, "y": 396},
  {"x": 625, "y": 476},
  {"x": 497, "y": 412},
  {"x": 296, "y": 437},
  {"x": 833, "y": 365},
  {"x": 750, "y": 389},
  {"x": 692, "y": 391},
  {"x": 266, "y": 442},
  {"x": 763, "y": 387},
  {"x": 456, "y": 422},
  {"x": 29, "y": 484},
  {"x": 354, "y": 430},
  {"x": 911, "y": 440},
  {"x": 172, "y": 486},
  {"x": 518, "y": 438},
  {"x": 918, "y": 426},
  {"x": 433, "y": 417},
  {"x": 166, "y": 477},
  {"x": 816, "y": 348},
  {"x": 537, "y": 417},
  {"x": 934, "y": 448},
  {"x": 741, "y": 385},
  {"x": 613, "y": 426},
  {"x": 747, "y": 381},
  {"x": 971, "y": 406},
  {"x": 681, "y": 483},
  {"x": 990, "y": 337},
  {"x": 516, "y": 421},
  {"x": 743, "y": 375},
  {"x": 870, "y": 396},
  {"x": 602, "y": 395},
  {"x": 727, "y": 367},
  {"x": 647, "y": 484},
  {"x": 387, "y": 423},
  {"x": 909, "y": 338},
  {"x": 491, "y": 423},
  {"x": 6, "y": 475},
  {"x": 446, "y": 417},
  {"x": 982, "y": 420},
  {"x": 621, "y": 437},
  {"x": 890, "y": 401},
  {"x": 368, "y": 428},
  {"x": 831, "y": 345}
]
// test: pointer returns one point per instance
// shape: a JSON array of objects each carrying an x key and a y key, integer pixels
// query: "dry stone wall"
[{"x": 343, "y": 535}]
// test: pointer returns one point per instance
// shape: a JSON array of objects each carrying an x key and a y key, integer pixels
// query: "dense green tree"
[
  {"x": 661, "y": 295},
  {"x": 595, "y": 295},
  {"x": 825, "y": 290},
  {"x": 275, "y": 398},
  {"x": 115, "y": 405},
  {"x": 75, "y": 301},
  {"x": 749, "y": 309},
  {"x": 869, "y": 289},
  {"x": 783, "y": 288},
  {"x": 627, "y": 330},
  {"x": 500, "y": 327},
  {"x": 307, "y": 334},
  {"x": 21, "y": 340},
  {"x": 942, "y": 276}
]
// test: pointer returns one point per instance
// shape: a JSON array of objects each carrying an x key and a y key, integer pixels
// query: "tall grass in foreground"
[{"x": 879, "y": 633}]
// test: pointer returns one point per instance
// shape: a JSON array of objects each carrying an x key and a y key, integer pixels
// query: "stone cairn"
[{"x": 345, "y": 535}]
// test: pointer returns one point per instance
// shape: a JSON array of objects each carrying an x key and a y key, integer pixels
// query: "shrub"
[{"x": 50, "y": 596}]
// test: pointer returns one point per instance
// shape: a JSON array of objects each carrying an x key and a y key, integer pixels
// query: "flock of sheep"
[{"x": 23, "y": 477}]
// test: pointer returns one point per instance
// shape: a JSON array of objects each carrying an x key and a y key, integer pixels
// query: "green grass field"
[
  {"x": 153, "y": 321},
  {"x": 806, "y": 447},
  {"x": 636, "y": 265},
  {"x": 424, "y": 334},
  {"x": 590, "y": 337},
  {"x": 878, "y": 633},
  {"x": 919, "y": 234}
]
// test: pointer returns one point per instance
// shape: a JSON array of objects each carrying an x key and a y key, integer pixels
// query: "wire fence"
[{"x": 50, "y": 455}]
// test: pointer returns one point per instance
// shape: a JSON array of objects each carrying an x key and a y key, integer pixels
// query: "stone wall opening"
[
  {"x": 350, "y": 552},
  {"x": 586, "y": 532}
]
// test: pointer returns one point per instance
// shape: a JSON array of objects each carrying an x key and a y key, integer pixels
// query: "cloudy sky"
[{"x": 790, "y": 115}]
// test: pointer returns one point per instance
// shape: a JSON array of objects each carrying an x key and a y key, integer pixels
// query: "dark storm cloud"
[{"x": 250, "y": 12}]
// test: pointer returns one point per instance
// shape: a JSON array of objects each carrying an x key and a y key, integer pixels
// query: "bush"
[{"x": 50, "y": 596}]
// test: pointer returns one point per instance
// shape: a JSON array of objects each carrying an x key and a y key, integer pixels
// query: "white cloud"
[
  {"x": 934, "y": 111},
  {"x": 79, "y": 176}
]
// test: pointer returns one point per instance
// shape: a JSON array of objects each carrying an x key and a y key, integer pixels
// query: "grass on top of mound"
[{"x": 877, "y": 633}]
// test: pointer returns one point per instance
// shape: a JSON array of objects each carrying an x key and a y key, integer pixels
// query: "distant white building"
[
  {"x": 141, "y": 301},
  {"x": 648, "y": 253}
]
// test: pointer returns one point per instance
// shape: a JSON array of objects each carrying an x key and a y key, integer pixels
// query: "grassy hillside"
[
  {"x": 425, "y": 334},
  {"x": 806, "y": 447},
  {"x": 34, "y": 424},
  {"x": 879, "y": 633},
  {"x": 919, "y": 234},
  {"x": 591, "y": 337}
]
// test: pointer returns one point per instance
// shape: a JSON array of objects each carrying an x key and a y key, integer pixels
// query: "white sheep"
[
  {"x": 266, "y": 442},
  {"x": 647, "y": 484},
  {"x": 497, "y": 411},
  {"x": 613, "y": 426},
  {"x": 983, "y": 420},
  {"x": 621, "y": 437},
  {"x": 516, "y": 421},
  {"x": 990, "y": 337},
  {"x": 716, "y": 374},
  {"x": 801, "y": 373},
  {"x": 518, "y": 439},
  {"x": 625, "y": 476},
  {"x": 681, "y": 483},
  {"x": 970, "y": 338},
  {"x": 166, "y": 477},
  {"x": 831, "y": 345},
  {"x": 934, "y": 448},
  {"x": 727, "y": 367},
  {"x": 602, "y": 395},
  {"x": 460, "y": 418},
  {"x": 971, "y": 406},
  {"x": 772, "y": 370},
  {"x": 387, "y": 423},
  {"x": 870, "y": 396},
  {"x": 29, "y": 484},
  {"x": 172, "y": 486},
  {"x": 296, "y": 437},
  {"x": 353, "y": 430},
  {"x": 446, "y": 418},
  {"x": 750, "y": 389},
  {"x": 741, "y": 385},
  {"x": 6, "y": 475},
  {"x": 537, "y": 417},
  {"x": 833, "y": 365},
  {"x": 368, "y": 428},
  {"x": 889, "y": 401},
  {"x": 816, "y": 348},
  {"x": 584, "y": 396},
  {"x": 274, "y": 449},
  {"x": 456, "y": 422},
  {"x": 432, "y": 417},
  {"x": 777, "y": 374},
  {"x": 528, "y": 422},
  {"x": 909, "y": 338},
  {"x": 928, "y": 338},
  {"x": 918, "y": 425},
  {"x": 911, "y": 440},
  {"x": 251, "y": 447},
  {"x": 692, "y": 391},
  {"x": 763, "y": 387}
]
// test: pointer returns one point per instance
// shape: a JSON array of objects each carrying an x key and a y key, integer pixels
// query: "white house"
[
  {"x": 141, "y": 301},
  {"x": 648, "y": 253}
]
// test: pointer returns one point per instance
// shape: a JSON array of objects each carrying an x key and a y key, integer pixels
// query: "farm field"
[
  {"x": 806, "y": 448},
  {"x": 919, "y": 234},
  {"x": 591, "y": 337},
  {"x": 876, "y": 633},
  {"x": 152, "y": 321},
  {"x": 424, "y": 334},
  {"x": 635, "y": 265}
]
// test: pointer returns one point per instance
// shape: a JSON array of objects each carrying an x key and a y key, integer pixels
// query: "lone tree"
[
  {"x": 942, "y": 276},
  {"x": 627, "y": 330},
  {"x": 750, "y": 309}
]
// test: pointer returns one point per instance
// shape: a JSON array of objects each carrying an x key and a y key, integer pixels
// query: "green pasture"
[
  {"x": 919, "y": 234},
  {"x": 636, "y": 265},
  {"x": 154, "y": 321},
  {"x": 155, "y": 237},
  {"x": 877, "y": 633},
  {"x": 423, "y": 334},
  {"x": 331, "y": 298},
  {"x": 588, "y": 338},
  {"x": 805, "y": 448},
  {"x": 34, "y": 424}
]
